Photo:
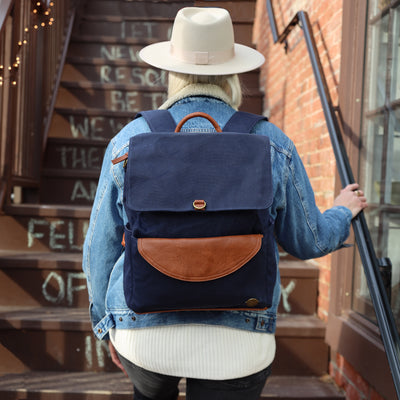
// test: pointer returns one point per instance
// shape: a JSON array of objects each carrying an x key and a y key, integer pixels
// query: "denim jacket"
[{"x": 300, "y": 228}]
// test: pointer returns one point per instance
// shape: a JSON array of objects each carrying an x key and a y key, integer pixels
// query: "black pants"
[{"x": 153, "y": 386}]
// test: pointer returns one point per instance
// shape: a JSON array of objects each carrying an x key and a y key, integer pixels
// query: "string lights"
[{"x": 42, "y": 11}]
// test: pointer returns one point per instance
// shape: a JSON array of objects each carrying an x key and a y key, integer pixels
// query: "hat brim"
[{"x": 245, "y": 59}]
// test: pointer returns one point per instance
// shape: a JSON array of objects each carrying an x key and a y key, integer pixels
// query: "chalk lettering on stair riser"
[
  {"x": 116, "y": 52},
  {"x": 137, "y": 76},
  {"x": 75, "y": 158},
  {"x": 57, "y": 289},
  {"x": 95, "y": 128},
  {"x": 83, "y": 190},
  {"x": 134, "y": 101},
  {"x": 96, "y": 352},
  {"x": 60, "y": 235}
]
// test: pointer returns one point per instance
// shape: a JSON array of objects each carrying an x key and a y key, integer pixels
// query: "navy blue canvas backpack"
[{"x": 199, "y": 235}]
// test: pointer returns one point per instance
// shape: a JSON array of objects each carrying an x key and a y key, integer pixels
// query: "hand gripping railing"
[{"x": 384, "y": 315}]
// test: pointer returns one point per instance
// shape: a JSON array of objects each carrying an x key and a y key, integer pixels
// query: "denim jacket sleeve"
[
  {"x": 301, "y": 229},
  {"x": 102, "y": 246}
]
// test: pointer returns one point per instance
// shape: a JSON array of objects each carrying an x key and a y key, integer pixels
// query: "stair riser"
[
  {"x": 93, "y": 127},
  {"x": 51, "y": 288},
  {"x": 127, "y": 29},
  {"x": 136, "y": 75},
  {"x": 54, "y": 234},
  {"x": 154, "y": 30},
  {"x": 110, "y": 99},
  {"x": 299, "y": 296},
  {"x": 301, "y": 356},
  {"x": 74, "y": 156},
  {"x": 68, "y": 190},
  {"x": 33, "y": 287},
  {"x": 137, "y": 9},
  {"x": 141, "y": 76},
  {"x": 107, "y": 51},
  {"x": 52, "y": 350},
  {"x": 59, "y": 350}
]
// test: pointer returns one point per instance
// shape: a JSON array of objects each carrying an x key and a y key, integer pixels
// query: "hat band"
[{"x": 203, "y": 57}]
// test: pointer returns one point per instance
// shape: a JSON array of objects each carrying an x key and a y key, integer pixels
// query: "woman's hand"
[
  {"x": 352, "y": 198},
  {"x": 114, "y": 357}
]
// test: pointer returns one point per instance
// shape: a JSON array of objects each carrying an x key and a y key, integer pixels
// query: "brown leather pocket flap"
[{"x": 199, "y": 259}]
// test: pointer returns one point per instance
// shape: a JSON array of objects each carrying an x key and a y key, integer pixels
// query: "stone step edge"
[
  {"x": 110, "y": 86},
  {"x": 125, "y": 87},
  {"x": 107, "y": 385},
  {"x": 102, "y": 112},
  {"x": 99, "y": 61},
  {"x": 106, "y": 39},
  {"x": 48, "y": 210},
  {"x": 122, "y": 18},
  {"x": 72, "y": 141},
  {"x": 63, "y": 173}
]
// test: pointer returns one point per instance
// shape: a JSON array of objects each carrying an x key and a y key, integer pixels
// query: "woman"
[{"x": 219, "y": 357}]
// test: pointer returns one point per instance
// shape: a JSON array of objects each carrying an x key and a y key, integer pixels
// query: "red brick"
[{"x": 292, "y": 97}]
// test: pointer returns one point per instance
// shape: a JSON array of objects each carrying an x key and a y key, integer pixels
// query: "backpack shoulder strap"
[
  {"x": 242, "y": 122},
  {"x": 158, "y": 120}
]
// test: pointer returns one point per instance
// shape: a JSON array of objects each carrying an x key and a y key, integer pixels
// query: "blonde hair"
[{"x": 230, "y": 84}]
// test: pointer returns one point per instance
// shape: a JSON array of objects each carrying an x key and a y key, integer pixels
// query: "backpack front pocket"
[{"x": 196, "y": 274}]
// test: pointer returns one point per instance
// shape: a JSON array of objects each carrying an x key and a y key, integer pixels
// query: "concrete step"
[
  {"x": 299, "y": 284},
  {"x": 107, "y": 386},
  {"x": 113, "y": 71},
  {"x": 125, "y": 71},
  {"x": 60, "y": 339},
  {"x": 153, "y": 28},
  {"x": 42, "y": 279},
  {"x": 44, "y": 228},
  {"x": 301, "y": 348},
  {"x": 56, "y": 279},
  {"x": 130, "y": 98},
  {"x": 74, "y": 154},
  {"x": 121, "y": 26},
  {"x": 105, "y": 48},
  {"x": 96, "y": 124},
  {"x": 68, "y": 186},
  {"x": 112, "y": 97}
]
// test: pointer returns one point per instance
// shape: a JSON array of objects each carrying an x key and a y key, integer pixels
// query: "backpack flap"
[{"x": 188, "y": 171}]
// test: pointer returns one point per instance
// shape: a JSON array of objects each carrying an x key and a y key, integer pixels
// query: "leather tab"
[
  {"x": 120, "y": 159},
  {"x": 199, "y": 259}
]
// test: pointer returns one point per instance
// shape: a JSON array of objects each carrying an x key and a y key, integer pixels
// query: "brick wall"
[
  {"x": 291, "y": 97},
  {"x": 351, "y": 382}
]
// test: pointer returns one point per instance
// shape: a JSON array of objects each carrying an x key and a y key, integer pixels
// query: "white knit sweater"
[{"x": 196, "y": 351}]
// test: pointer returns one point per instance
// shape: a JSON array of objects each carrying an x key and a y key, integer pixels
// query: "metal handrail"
[{"x": 384, "y": 315}]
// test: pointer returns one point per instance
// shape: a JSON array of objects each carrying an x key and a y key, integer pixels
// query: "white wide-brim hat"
[{"x": 202, "y": 43}]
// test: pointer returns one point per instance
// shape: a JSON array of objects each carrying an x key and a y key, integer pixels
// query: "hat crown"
[
  {"x": 202, "y": 30},
  {"x": 202, "y": 43}
]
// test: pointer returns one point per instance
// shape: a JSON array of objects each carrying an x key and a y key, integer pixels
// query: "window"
[{"x": 380, "y": 148}]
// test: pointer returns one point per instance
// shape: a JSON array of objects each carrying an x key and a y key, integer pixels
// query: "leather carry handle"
[{"x": 198, "y": 114}]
